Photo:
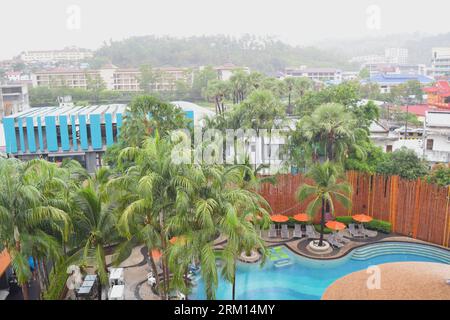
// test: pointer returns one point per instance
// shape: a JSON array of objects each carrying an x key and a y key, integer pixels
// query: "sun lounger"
[
  {"x": 311, "y": 232},
  {"x": 339, "y": 236},
  {"x": 298, "y": 231},
  {"x": 332, "y": 240},
  {"x": 272, "y": 231},
  {"x": 284, "y": 232},
  {"x": 368, "y": 233},
  {"x": 355, "y": 232}
]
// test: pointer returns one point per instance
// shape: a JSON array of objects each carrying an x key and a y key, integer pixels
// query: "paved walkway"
[{"x": 136, "y": 269}]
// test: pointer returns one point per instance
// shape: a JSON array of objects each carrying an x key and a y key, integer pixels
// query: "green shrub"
[
  {"x": 325, "y": 230},
  {"x": 378, "y": 225},
  {"x": 345, "y": 219}
]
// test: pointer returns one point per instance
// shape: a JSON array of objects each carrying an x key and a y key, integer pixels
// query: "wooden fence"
[{"x": 414, "y": 208}]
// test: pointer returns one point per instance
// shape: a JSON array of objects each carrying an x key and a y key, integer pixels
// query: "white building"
[
  {"x": 436, "y": 146},
  {"x": 13, "y": 98},
  {"x": 114, "y": 78},
  {"x": 396, "y": 55},
  {"x": 440, "y": 62},
  {"x": 225, "y": 71},
  {"x": 67, "y": 54},
  {"x": 315, "y": 74}
]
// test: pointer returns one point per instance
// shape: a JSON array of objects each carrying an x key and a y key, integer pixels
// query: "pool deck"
[
  {"x": 299, "y": 245},
  {"x": 398, "y": 281},
  {"x": 136, "y": 266}
]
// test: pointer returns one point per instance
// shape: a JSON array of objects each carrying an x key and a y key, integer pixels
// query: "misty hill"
[
  {"x": 267, "y": 54},
  {"x": 418, "y": 45}
]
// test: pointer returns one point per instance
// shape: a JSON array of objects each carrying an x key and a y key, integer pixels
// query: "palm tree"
[
  {"x": 27, "y": 217},
  {"x": 94, "y": 223},
  {"x": 163, "y": 189},
  {"x": 243, "y": 209},
  {"x": 330, "y": 128},
  {"x": 325, "y": 190}
]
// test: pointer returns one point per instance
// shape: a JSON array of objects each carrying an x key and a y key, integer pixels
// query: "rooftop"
[{"x": 399, "y": 78}]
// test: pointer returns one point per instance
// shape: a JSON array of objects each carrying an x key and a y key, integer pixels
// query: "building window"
[
  {"x": 430, "y": 144},
  {"x": 389, "y": 148}
]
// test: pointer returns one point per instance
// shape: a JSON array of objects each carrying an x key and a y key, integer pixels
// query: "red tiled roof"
[
  {"x": 420, "y": 109},
  {"x": 441, "y": 87}
]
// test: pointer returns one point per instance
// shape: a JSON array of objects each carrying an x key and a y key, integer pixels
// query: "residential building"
[
  {"x": 438, "y": 95},
  {"x": 225, "y": 71},
  {"x": 13, "y": 98},
  {"x": 387, "y": 81},
  {"x": 315, "y": 74},
  {"x": 349, "y": 75},
  {"x": 381, "y": 136},
  {"x": 440, "y": 62},
  {"x": 419, "y": 110},
  {"x": 17, "y": 76},
  {"x": 67, "y": 54},
  {"x": 436, "y": 146},
  {"x": 369, "y": 59},
  {"x": 396, "y": 55},
  {"x": 114, "y": 78},
  {"x": 70, "y": 78}
]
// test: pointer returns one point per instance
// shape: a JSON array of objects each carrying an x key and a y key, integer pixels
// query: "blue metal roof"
[{"x": 394, "y": 79}]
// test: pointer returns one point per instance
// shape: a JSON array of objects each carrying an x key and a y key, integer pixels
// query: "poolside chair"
[
  {"x": 272, "y": 231},
  {"x": 284, "y": 231},
  {"x": 298, "y": 231},
  {"x": 311, "y": 232},
  {"x": 332, "y": 240},
  {"x": 368, "y": 233},
  {"x": 339, "y": 236},
  {"x": 355, "y": 232}
]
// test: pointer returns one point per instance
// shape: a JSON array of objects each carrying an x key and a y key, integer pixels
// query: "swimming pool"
[{"x": 289, "y": 276}]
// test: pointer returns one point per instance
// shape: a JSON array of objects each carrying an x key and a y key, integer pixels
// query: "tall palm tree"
[
  {"x": 330, "y": 128},
  {"x": 26, "y": 217},
  {"x": 325, "y": 190},
  {"x": 230, "y": 205},
  {"x": 94, "y": 223},
  {"x": 163, "y": 189}
]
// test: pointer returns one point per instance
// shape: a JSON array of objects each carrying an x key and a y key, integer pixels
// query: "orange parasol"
[
  {"x": 362, "y": 218},
  {"x": 302, "y": 217},
  {"x": 156, "y": 254},
  {"x": 335, "y": 225},
  {"x": 279, "y": 218},
  {"x": 5, "y": 261}
]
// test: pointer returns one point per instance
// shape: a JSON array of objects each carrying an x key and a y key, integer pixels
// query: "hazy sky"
[{"x": 53, "y": 24}]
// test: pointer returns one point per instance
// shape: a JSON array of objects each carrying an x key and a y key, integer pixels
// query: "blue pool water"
[{"x": 307, "y": 279}]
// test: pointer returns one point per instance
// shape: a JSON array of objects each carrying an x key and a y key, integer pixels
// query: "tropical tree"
[
  {"x": 163, "y": 189},
  {"x": 27, "y": 218},
  {"x": 332, "y": 130},
  {"x": 323, "y": 193},
  {"x": 145, "y": 115},
  {"x": 239, "y": 85},
  {"x": 217, "y": 91},
  {"x": 94, "y": 221}
]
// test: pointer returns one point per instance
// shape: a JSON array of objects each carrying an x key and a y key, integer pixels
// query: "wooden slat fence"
[{"x": 415, "y": 208}]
